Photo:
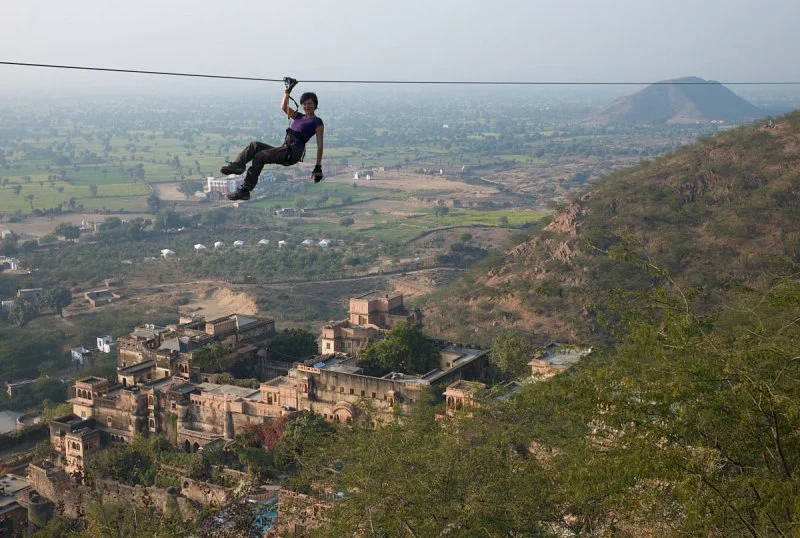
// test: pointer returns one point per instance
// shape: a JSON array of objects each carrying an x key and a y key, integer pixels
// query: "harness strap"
[{"x": 291, "y": 137}]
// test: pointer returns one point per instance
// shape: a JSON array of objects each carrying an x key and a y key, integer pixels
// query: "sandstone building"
[{"x": 370, "y": 315}]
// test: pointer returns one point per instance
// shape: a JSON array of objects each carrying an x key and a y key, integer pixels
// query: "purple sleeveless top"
[{"x": 307, "y": 127}]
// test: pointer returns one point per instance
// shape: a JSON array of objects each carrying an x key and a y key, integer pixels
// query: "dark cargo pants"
[{"x": 258, "y": 154}]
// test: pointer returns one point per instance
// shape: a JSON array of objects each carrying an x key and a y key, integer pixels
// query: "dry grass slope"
[{"x": 713, "y": 215}]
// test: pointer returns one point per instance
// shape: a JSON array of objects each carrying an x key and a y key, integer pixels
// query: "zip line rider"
[{"x": 303, "y": 127}]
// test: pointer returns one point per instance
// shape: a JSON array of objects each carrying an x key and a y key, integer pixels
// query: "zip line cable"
[{"x": 409, "y": 82}]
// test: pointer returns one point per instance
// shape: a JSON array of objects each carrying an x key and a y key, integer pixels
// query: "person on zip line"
[{"x": 304, "y": 126}]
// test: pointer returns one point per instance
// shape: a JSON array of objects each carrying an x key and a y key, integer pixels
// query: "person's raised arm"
[{"x": 285, "y": 105}]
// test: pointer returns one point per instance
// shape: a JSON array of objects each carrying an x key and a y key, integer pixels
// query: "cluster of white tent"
[
  {"x": 199, "y": 247},
  {"x": 325, "y": 243}
]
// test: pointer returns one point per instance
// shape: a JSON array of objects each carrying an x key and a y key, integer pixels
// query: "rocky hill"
[
  {"x": 688, "y": 100},
  {"x": 713, "y": 216}
]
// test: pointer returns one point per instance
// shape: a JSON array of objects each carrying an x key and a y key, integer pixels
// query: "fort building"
[{"x": 370, "y": 315}]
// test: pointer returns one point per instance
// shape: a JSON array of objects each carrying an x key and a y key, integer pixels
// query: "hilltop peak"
[{"x": 680, "y": 100}]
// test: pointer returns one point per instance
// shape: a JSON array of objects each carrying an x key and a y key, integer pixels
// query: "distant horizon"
[
  {"x": 572, "y": 40},
  {"x": 154, "y": 87}
]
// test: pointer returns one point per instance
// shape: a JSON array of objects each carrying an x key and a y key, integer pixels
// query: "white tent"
[
  {"x": 219, "y": 244},
  {"x": 167, "y": 253},
  {"x": 199, "y": 246},
  {"x": 264, "y": 242},
  {"x": 238, "y": 244},
  {"x": 281, "y": 243},
  {"x": 325, "y": 243},
  {"x": 308, "y": 242}
]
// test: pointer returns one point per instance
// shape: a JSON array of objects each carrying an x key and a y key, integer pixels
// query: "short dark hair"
[{"x": 309, "y": 95}]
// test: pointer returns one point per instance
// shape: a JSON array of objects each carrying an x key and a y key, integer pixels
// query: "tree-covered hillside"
[{"x": 714, "y": 215}]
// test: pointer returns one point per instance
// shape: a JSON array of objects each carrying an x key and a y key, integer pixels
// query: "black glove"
[
  {"x": 317, "y": 173},
  {"x": 290, "y": 84}
]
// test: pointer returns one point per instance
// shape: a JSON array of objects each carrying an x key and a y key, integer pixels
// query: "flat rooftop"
[
  {"x": 92, "y": 380},
  {"x": 148, "y": 332},
  {"x": 564, "y": 355},
  {"x": 281, "y": 381},
  {"x": 377, "y": 295},
  {"x": 459, "y": 355},
  {"x": 138, "y": 367},
  {"x": 163, "y": 384},
  {"x": 232, "y": 391},
  {"x": 242, "y": 322},
  {"x": 406, "y": 378},
  {"x": 68, "y": 420},
  {"x": 473, "y": 387},
  {"x": 10, "y": 486},
  {"x": 338, "y": 363}
]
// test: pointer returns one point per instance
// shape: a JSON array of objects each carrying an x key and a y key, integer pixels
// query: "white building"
[
  {"x": 167, "y": 253},
  {"x": 105, "y": 343},
  {"x": 223, "y": 185},
  {"x": 308, "y": 242},
  {"x": 219, "y": 244},
  {"x": 200, "y": 246},
  {"x": 264, "y": 242},
  {"x": 80, "y": 354},
  {"x": 281, "y": 243},
  {"x": 9, "y": 263},
  {"x": 325, "y": 243},
  {"x": 238, "y": 244}
]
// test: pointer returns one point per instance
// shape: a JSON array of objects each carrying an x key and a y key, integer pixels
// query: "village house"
[
  {"x": 370, "y": 315},
  {"x": 20, "y": 387},
  {"x": 30, "y": 294},
  {"x": 9, "y": 264},
  {"x": 80, "y": 355},
  {"x": 100, "y": 297},
  {"x": 105, "y": 343}
]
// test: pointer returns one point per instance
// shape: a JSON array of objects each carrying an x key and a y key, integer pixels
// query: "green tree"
[
  {"x": 440, "y": 480},
  {"x": 347, "y": 222},
  {"x": 299, "y": 205},
  {"x": 511, "y": 351},
  {"x": 58, "y": 298},
  {"x": 16, "y": 188},
  {"x": 405, "y": 349},
  {"x": 440, "y": 211},
  {"x": 19, "y": 312},
  {"x": 93, "y": 191},
  {"x": 302, "y": 438},
  {"x": 167, "y": 219},
  {"x": 213, "y": 219},
  {"x": 210, "y": 358},
  {"x": 188, "y": 188},
  {"x": 293, "y": 345},
  {"x": 67, "y": 231},
  {"x": 153, "y": 203}
]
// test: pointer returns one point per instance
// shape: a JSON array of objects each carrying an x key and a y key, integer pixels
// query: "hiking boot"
[
  {"x": 239, "y": 194},
  {"x": 233, "y": 168}
]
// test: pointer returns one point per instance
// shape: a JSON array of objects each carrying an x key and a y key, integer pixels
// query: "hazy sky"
[{"x": 575, "y": 40}]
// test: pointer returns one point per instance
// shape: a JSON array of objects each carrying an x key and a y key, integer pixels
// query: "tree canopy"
[{"x": 405, "y": 349}]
